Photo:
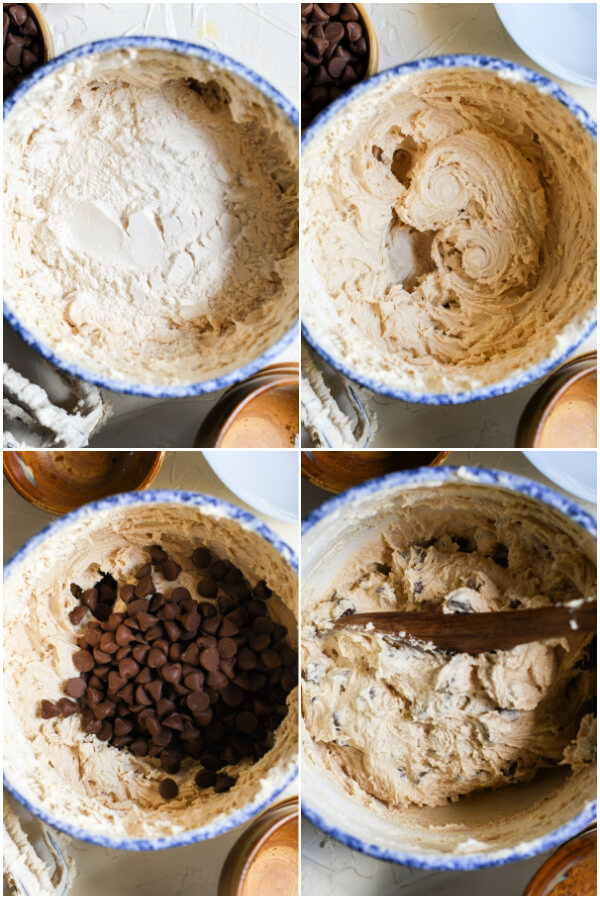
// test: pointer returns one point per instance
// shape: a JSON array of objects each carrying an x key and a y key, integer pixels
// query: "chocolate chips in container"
[
  {"x": 177, "y": 677},
  {"x": 334, "y": 54},
  {"x": 23, "y": 45}
]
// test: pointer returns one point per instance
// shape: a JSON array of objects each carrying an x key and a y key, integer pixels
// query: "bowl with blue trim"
[
  {"x": 372, "y": 793},
  {"x": 448, "y": 236},
  {"x": 152, "y": 216},
  {"x": 68, "y": 778}
]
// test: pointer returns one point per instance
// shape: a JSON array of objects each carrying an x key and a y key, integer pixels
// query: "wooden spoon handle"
[{"x": 481, "y": 632}]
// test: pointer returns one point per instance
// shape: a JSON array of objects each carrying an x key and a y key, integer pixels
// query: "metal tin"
[
  {"x": 581, "y": 849},
  {"x": 337, "y": 471},
  {"x": 262, "y": 411},
  {"x": 563, "y": 411},
  {"x": 264, "y": 860}
]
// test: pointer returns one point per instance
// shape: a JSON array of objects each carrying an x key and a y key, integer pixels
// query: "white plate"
[
  {"x": 264, "y": 479},
  {"x": 561, "y": 37},
  {"x": 573, "y": 470}
]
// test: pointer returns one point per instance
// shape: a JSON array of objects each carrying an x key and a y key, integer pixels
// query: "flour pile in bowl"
[{"x": 151, "y": 217}]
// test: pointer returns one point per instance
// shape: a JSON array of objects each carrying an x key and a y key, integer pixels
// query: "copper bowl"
[
  {"x": 264, "y": 860},
  {"x": 262, "y": 412},
  {"x": 570, "y": 871},
  {"x": 563, "y": 411},
  {"x": 338, "y": 470},
  {"x": 59, "y": 481}
]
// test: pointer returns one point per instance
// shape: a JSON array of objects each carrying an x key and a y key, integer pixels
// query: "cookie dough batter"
[
  {"x": 401, "y": 723},
  {"x": 151, "y": 217},
  {"x": 449, "y": 239},
  {"x": 53, "y": 763}
]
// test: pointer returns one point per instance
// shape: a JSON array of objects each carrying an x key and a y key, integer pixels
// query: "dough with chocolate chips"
[{"x": 401, "y": 723}]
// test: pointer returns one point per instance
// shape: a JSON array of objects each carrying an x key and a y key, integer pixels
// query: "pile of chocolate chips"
[
  {"x": 335, "y": 54},
  {"x": 23, "y": 45},
  {"x": 174, "y": 677}
]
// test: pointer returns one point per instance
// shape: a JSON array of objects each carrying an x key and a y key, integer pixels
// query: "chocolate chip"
[
  {"x": 232, "y": 695},
  {"x": 144, "y": 587},
  {"x": 84, "y": 661},
  {"x": 127, "y": 593},
  {"x": 218, "y": 569},
  {"x": 198, "y": 701},
  {"x": 49, "y": 709},
  {"x": 209, "y": 659},
  {"x": 146, "y": 621},
  {"x": 156, "y": 658},
  {"x": 226, "y": 649},
  {"x": 205, "y": 778},
  {"x": 77, "y": 615},
  {"x": 168, "y": 789},
  {"x": 128, "y": 668},
  {"x": 180, "y": 595},
  {"x": 207, "y": 587},
  {"x": 223, "y": 783},
  {"x": 171, "y": 570},
  {"x": 201, "y": 557},
  {"x": 157, "y": 554},
  {"x": 247, "y": 658},
  {"x": 75, "y": 687},
  {"x": 67, "y": 707},
  {"x": 172, "y": 673}
]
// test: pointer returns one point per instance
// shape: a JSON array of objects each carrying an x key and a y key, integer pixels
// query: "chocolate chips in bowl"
[
  {"x": 177, "y": 653},
  {"x": 202, "y": 679},
  {"x": 338, "y": 49},
  {"x": 27, "y": 43}
]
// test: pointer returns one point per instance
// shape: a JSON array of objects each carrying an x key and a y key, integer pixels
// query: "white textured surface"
[
  {"x": 184, "y": 870},
  {"x": 262, "y": 36},
  {"x": 331, "y": 868},
  {"x": 413, "y": 31}
]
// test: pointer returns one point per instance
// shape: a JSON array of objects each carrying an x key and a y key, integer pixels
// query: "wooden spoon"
[{"x": 481, "y": 632}]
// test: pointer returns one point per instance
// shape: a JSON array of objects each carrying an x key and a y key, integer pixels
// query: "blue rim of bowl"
[
  {"x": 465, "y": 475},
  {"x": 231, "y": 65},
  {"x": 455, "y": 60},
  {"x": 143, "y": 498}
]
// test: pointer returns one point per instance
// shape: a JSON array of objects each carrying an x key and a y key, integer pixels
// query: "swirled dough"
[
  {"x": 400, "y": 723},
  {"x": 151, "y": 217},
  {"x": 53, "y": 763},
  {"x": 449, "y": 234}
]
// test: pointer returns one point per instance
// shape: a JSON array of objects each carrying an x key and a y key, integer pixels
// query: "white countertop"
[
  {"x": 184, "y": 870},
  {"x": 407, "y": 31},
  {"x": 262, "y": 36},
  {"x": 331, "y": 868}
]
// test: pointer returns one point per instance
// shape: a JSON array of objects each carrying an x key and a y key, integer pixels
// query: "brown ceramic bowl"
[
  {"x": 338, "y": 470},
  {"x": 262, "y": 411},
  {"x": 59, "y": 481},
  {"x": 570, "y": 871},
  {"x": 563, "y": 411},
  {"x": 264, "y": 860}
]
